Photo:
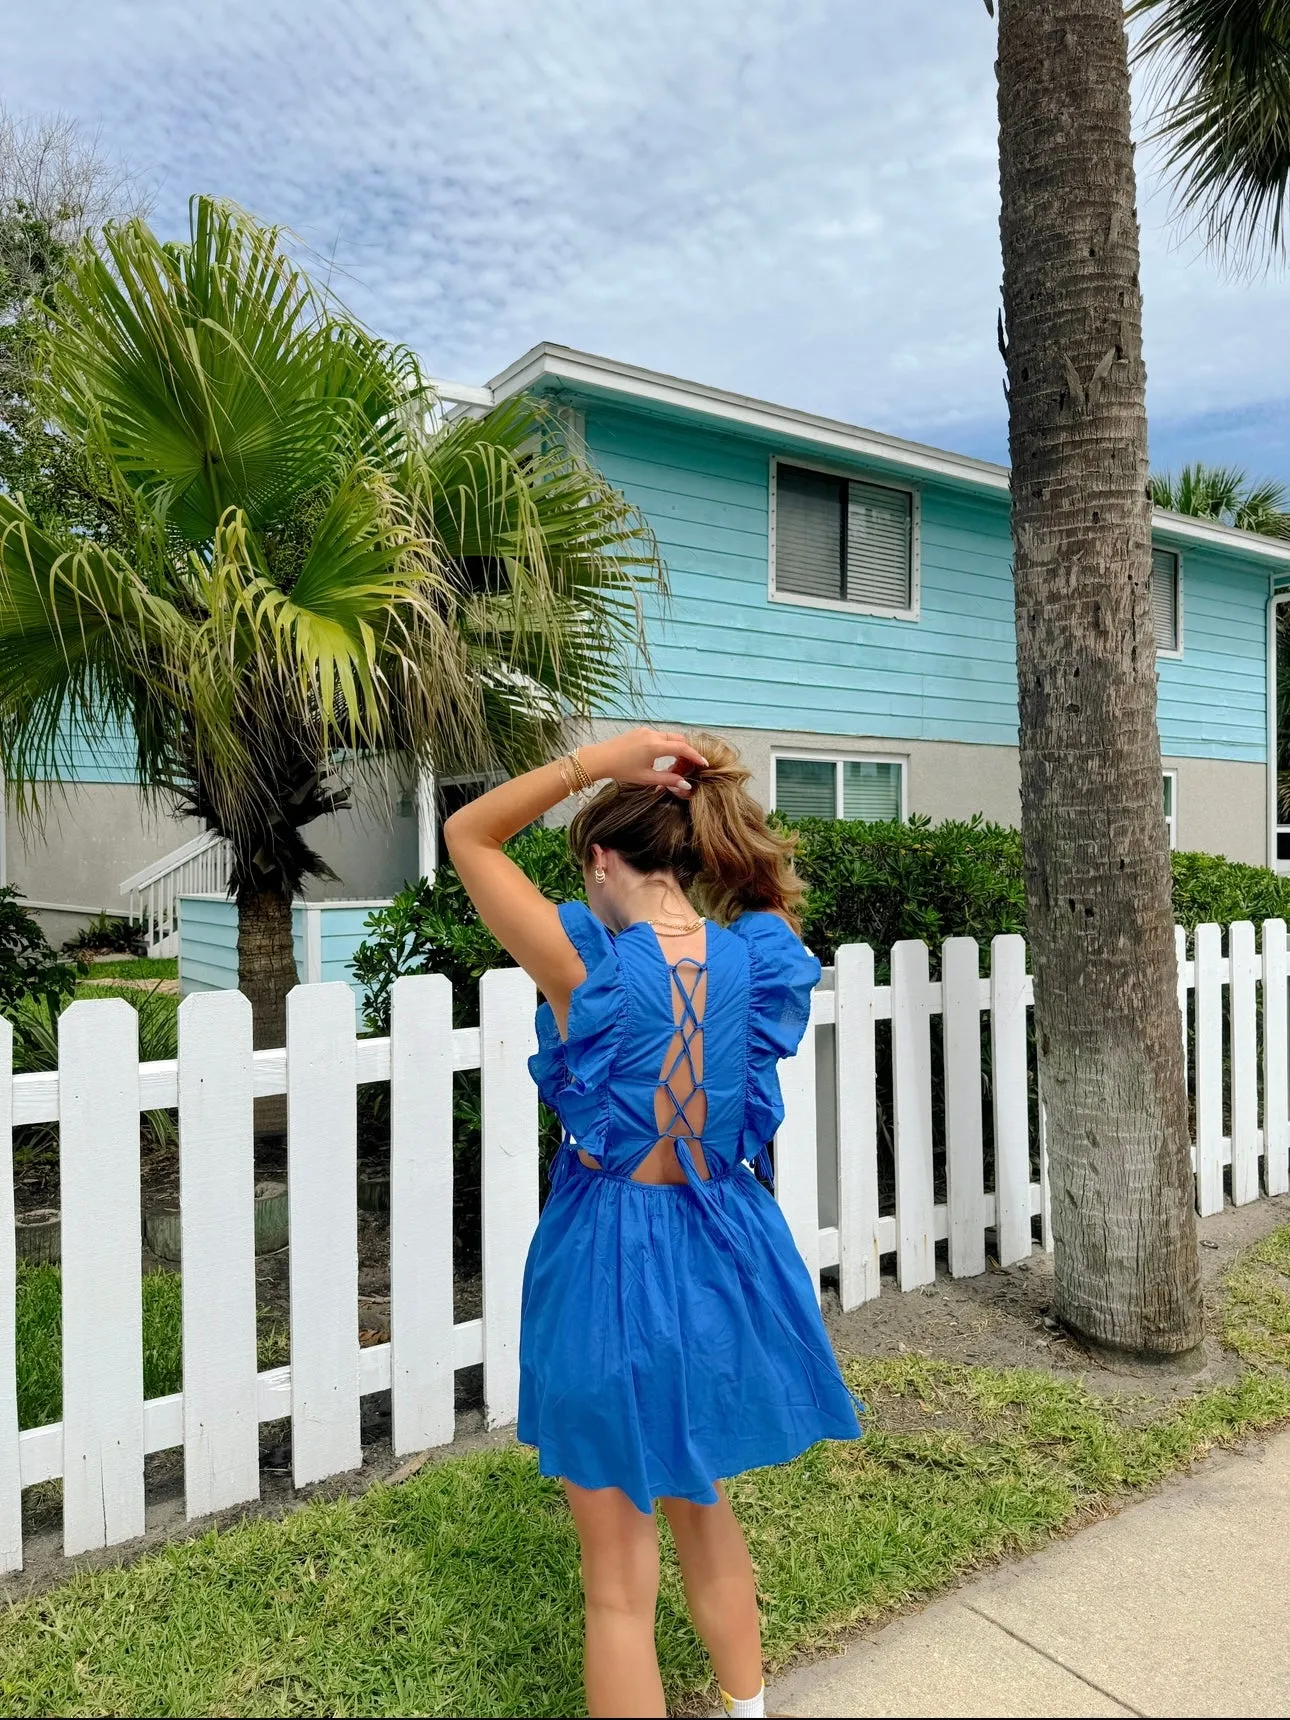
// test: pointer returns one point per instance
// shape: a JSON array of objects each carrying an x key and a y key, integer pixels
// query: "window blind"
[
  {"x": 1164, "y": 598},
  {"x": 808, "y": 533},
  {"x": 879, "y": 544},
  {"x": 806, "y": 787},
  {"x": 871, "y": 791}
]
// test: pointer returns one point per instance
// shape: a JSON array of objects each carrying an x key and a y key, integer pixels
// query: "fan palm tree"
[
  {"x": 1227, "y": 494},
  {"x": 315, "y": 568},
  {"x": 1222, "y": 112}
]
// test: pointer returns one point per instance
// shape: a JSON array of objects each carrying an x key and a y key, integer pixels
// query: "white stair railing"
[{"x": 200, "y": 867}]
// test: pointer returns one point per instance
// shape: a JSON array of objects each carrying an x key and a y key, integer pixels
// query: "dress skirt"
[{"x": 671, "y": 1336}]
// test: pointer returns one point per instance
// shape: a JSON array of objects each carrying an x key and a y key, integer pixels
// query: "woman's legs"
[
  {"x": 720, "y": 1590},
  {"x": 620, "y": 1583}
]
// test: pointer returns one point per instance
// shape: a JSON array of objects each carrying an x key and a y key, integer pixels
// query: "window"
[
  {"x": 870, "y": 790},
  {"x": 1171, "y": 806},
  {"x": 1165, "y": 607},
  {"x": 842, "y": 541}
]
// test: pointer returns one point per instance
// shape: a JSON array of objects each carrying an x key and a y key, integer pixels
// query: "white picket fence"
[{"x": 99, "y": 1090}]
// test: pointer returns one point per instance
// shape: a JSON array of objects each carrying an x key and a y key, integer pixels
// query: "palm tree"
[
  {"x": 1221, "y": 72},
  {"x": 1227, "y": 494},
  {"x": 1094, "y": 841},
  {"x": 315, "y": 569}
]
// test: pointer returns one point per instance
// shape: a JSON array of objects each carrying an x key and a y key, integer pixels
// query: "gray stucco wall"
[
  {"x": 95, "y": 834},
  {"x": 92, "y": 835},
  {"x": 1221, "y": 805}
]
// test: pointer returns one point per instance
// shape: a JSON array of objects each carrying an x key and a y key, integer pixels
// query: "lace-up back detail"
[
  {"x": 666, "y": 1070},
  {"x": 680, "y": 1101}
]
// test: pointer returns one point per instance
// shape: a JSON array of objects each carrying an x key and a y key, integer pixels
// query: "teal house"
[{"x": 841, "y": 606}]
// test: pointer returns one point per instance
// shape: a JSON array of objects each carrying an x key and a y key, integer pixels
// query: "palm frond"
[
  {"x": 80, "y": 640},
  {"x": 1225, "y": 493},
  {"x": 1221, "y": 110}
]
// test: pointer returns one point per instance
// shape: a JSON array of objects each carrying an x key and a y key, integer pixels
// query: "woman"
[{"x": 671, "y": 1334}]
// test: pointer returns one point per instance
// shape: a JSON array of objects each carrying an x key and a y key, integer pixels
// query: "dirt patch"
[{"x": 1003, "y": 1319}]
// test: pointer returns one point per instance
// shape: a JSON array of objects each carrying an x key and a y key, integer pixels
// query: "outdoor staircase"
[{"x": 200, "y": 867}]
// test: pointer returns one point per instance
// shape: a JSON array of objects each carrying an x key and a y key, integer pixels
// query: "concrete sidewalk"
[{"x": 1178, "y": 1606}]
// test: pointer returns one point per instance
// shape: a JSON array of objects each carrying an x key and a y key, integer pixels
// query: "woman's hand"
[{"x": 646, "y": 757}]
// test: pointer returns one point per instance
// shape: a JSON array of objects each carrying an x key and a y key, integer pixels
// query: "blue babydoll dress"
[{"x": 671, "y": 1334}]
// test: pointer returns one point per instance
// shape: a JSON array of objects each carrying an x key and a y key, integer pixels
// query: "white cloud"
[{"x": 795, "y": 198}]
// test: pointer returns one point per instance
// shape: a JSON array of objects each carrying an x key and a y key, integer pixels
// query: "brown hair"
[{"x": 715, "y": 841}]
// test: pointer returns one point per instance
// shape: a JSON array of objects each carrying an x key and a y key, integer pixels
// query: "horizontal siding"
[
  {"x": 724, "y": 654},
  {"x": 1213, "y": 700},
  {"x": 208, "y": 944}
]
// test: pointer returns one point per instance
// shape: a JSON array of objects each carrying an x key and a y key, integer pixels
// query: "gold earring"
[{"x": 599, "y": 874}]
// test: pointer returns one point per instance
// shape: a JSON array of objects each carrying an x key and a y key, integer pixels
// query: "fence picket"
[
  {"x": 856, "y": 1072},
  {"x": 1011, "y": 1097},
  {"x": 1276, "y": 1051},
  {"x": 216, "y": 1200},
  {"x": 797, "y": 1186},
  {"x": 421, "y": 1360},
  {"x": 1243, "y": 966},
  {"x": 1184, "y": 987},
  {"x": 10, "y": 1464},
  {"x": 911, "y": 1055},
  {"x": 322, "y": 1193},
  {"x": 98, "y": 1107},
  {"x": 1045, "y": 1185},
  {"x": 510, "y": 1177},
  {"x": 964, "y": 1158},
  {"x": 1209, "y": 1070}
]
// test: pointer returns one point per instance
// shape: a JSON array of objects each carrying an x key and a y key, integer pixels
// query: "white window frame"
[
  {"x": 841, "y": 604},
  {"x": 1171, "y": 817},
  {"x": 837, "y": 760},
  {"x": 1173, "y": 550}
]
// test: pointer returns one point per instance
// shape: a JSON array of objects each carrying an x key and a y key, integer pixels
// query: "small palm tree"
[
  {"x": 305, "y": 564},
  {"x": 1227, "y": 494},
  {"x": 1222, "y": 112}
]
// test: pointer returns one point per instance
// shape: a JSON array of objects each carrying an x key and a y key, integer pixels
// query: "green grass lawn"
[
  {"x": 457, "y": 1593},
  {"x": 136, "y": 967}
]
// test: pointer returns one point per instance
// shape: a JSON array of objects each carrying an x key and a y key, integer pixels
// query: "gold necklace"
[{"x": 669, "y": 930}]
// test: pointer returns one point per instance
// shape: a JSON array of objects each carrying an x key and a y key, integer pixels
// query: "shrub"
[
  {"x": 434, "y": 928},
  {"x": 1211, "y": 890},
  {"x": 878, "y": 883},
  {"x": 109, "y": 934},
  {"x": 28, "y": 966}
]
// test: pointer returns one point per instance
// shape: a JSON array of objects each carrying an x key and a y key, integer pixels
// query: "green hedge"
[{"x": 867, "y": 883}]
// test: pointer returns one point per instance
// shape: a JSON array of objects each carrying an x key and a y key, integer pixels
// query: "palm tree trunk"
[
  {"x": 1096, "y": 855},
  {"x": 266, "y": 972}
]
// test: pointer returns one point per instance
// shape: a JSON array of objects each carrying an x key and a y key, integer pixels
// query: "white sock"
[{"x": 751, "y": 1708}]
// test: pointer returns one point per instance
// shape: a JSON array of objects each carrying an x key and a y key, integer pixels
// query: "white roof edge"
[
  {"x": 460, "y": 393},
  {"x": 589, "y": 370}
]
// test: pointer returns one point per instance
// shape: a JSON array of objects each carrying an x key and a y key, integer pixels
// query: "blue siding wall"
[
  {"x": 208, "y": 944},
  {"x": 725, "y": 654},
  {"x": 1213, "y": 700}
]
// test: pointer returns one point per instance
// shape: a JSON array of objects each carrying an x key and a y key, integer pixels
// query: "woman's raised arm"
[{"x": 519, "y": 916}]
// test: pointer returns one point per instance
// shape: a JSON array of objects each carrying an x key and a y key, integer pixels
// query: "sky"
[{"x": 796, "y": 199}]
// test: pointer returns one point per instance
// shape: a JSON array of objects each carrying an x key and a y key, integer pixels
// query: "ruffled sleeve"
[
  {"x": 782, "y": 975},
  {"x": 572, "y": 1074}
]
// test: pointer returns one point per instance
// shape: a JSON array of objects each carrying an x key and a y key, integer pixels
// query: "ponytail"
[{"x": 715, "y": 841}]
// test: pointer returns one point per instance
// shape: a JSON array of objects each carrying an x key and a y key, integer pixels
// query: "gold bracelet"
[
  {"x": 581, "y": 781},
  {"x": 562, "y": 765}
]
